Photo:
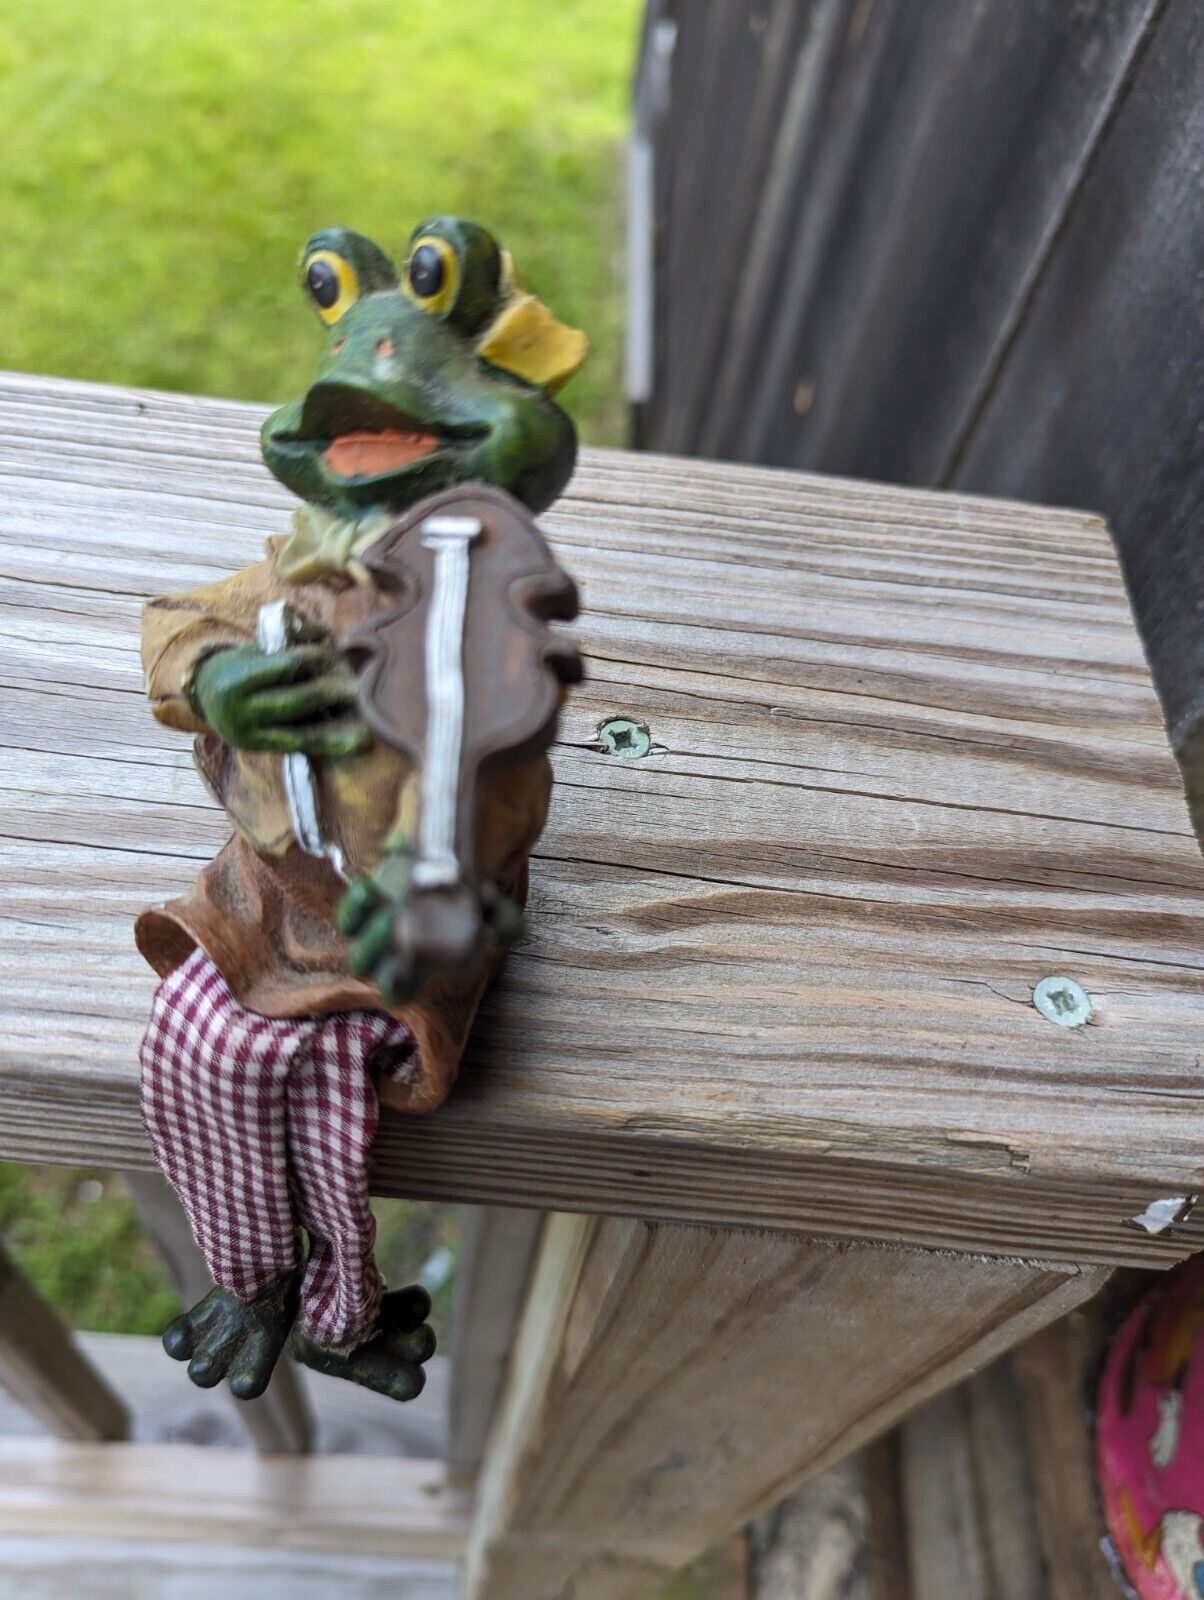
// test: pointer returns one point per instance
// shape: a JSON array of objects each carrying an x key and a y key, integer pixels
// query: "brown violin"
[{"x": 465, "y": 676}]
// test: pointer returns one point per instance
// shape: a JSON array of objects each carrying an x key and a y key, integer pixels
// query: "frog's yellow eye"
[
  {"x": 332, "y": 284},
  {"x": 432, "y": 274}
]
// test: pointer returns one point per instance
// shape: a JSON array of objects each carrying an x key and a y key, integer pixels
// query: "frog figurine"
[{"x": 332, "y": 957}]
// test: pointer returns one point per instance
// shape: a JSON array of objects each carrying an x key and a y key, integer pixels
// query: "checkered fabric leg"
[
  {"x": 213, "y": 1101},
  {"x": 332, "y": 1117},
  {"x": 263, "y": 1125}
]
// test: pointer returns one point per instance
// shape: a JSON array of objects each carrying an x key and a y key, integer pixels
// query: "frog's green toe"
[
  {"x": 390, "y": 1362},
  {"x": 225, "y": 1337},
  {"x": 178, "y": 1338}
]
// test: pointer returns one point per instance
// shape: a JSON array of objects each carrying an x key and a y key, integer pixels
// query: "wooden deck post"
[
  {"x": 42, "y": 1369},
  {"x": 669, "y": 1383},
  {"x": 968, "y": 1495},
  {"x": 497, "y": 1249}
]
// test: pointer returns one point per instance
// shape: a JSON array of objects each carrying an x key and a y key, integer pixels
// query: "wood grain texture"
[
  {"x": 351, "y": 1504},
  {"x": 815, "y": 1545},
  {"x": 671, "y": 1383},
  {"x": 968, "y": 1494},
  {"x": 1057, "y": 1371},
  {"x": 876, "y": 259},
  {"x": 45, "y": 1371},
  {"x": 279, "y": 1420},
  {"x": 497, "y": 1248},
  {"x": 778, "y": 972},
  {"x": 104, "y": 1569},
  {"x": 1098, "y": 400},
  {"x": 840, "y": 1538},
  {"x": 972, "y": 255}
]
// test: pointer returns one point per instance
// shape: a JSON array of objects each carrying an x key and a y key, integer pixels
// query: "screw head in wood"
[
  {"x": 1063, "y": 1001},
  {"x": 621, "y": 736}
]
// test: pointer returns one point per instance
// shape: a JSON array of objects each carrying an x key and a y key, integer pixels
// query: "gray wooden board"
[
  {"x": 747, "y": 71},
  {"x": 1099, "y": 400},
  {"x": 780, "y": 971},
  {"x": 969, "y": 1497},
  {"x": 166, "y": 1409},
  {"x": 977, "y": 258},
  {"x": 497, "y": 1247},
  {"x": 969, "y": 151},
  {"x": 90, "y": 1569},
  {"x": 947, "y": 141}
]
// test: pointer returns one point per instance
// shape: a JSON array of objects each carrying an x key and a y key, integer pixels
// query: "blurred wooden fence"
[{"x": 957, "y": 244}]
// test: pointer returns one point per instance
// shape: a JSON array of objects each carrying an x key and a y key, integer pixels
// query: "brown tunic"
[{"x": 263, "y": 911}]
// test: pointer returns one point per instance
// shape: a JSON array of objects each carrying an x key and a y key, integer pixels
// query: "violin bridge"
[{"x": 450, "y": 537}]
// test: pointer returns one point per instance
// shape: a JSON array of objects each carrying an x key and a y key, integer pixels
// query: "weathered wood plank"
[
  {"x": 1056, "y": 1371},
  {"x": 1098, "y": 400},
  {"x": 856, "y": 289},
  {"x": 497, "y": 1248},
  {"x": 672, "y": 1383},
  {"x": 165, "y": 1408},
  {"x": 969, "y": 1497},
  {"x": 44, "y": 1370},
  {"x": 840, "y": 1538},
  {"x": 965, "y": 205},
  {"x": 102, "y": 1569},
  {"x": 742, "y": 75},
  {"x": 780, "y": 970},
  {"x": 967, "y": 157},
  {"x": 364, "y": 1506},
  {"x": 279, "y": 1421}
]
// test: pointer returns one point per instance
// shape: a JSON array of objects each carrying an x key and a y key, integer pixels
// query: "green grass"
[
  {"x": 163, "y": 163},
  {"x": 74, "y": 1234}
]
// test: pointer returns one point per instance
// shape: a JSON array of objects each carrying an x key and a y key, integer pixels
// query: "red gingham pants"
[{"x": 264, "y": 1128}]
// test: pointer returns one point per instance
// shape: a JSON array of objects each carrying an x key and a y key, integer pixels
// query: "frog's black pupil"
[
  {"x": 426, "y": 271},
  {"x": 323, "y": 283}
]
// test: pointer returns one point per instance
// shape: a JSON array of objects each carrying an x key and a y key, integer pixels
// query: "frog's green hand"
[
  {"x": 366, "y": 916},
  {"x": 300, "y": 700},
  {"x": 371, "y": 916}
]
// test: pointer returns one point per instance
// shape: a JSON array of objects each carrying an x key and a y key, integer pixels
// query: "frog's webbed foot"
[
  {"x": 403, "y": 935},
  {"x": 223, "y": 1336},
  {"x": 390, "y": 1359}
]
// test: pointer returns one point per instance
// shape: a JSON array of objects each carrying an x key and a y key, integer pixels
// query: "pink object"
[
  {"x": 1150, "y": 1439},
  {"x": 265, "y": 1128}
]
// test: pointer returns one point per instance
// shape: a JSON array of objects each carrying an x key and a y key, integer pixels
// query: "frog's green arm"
[
  {"x": 179, "y": 631},
  {"x": 204, "y": 672},
  {"x": 296, "y": 701}
]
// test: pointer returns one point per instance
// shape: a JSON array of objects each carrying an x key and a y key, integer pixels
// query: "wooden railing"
[{"x": 779, "y": 978}]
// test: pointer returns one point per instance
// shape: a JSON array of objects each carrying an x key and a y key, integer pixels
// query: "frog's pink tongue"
[{"x": 364, "y": 455}]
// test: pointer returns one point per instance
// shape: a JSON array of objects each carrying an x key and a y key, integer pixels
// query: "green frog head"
[{"x": 443, "y": 377}]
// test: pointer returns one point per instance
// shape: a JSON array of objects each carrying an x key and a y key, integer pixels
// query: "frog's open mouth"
[
  {"x": 359, "y": 437},
  {"x": 368, "y": 454}
]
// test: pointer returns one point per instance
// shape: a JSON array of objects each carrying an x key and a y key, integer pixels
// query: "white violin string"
[{"x": 443, "y": 658}]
